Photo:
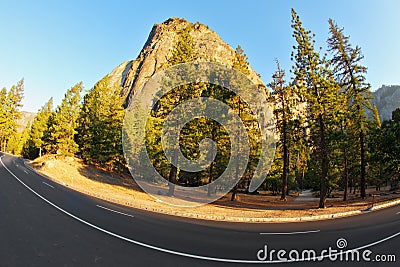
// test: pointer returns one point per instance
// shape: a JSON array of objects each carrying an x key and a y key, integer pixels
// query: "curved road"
[{"x": 45, "y": 224}]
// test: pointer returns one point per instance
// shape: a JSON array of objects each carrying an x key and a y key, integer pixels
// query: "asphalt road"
[{"x": 45, "y": 224}]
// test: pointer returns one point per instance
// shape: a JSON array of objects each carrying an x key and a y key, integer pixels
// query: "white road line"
[
  {"x": 1, "y": 156},
  {"x": 48, "y": 184},
  {"x": 398, "y": 212},
  {"x": 115, "y": 211},
  {"x": 173, "y": 252},
  {"x": 291, "y": 233}
]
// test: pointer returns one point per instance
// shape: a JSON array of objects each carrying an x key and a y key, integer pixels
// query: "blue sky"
[{"x": 55, "y": 44}]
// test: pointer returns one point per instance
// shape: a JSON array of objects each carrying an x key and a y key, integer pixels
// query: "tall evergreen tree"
[
  {"x": 319, "y": 90},
  {"x": 240, "y": 63},
  {"x": 11, "y": 102},
  {"x": 61, "y": 125},
  {"x": 3, "y": 111},
  {"x": 351, "y": 77},
  {"x": 377, "y": 119},
  {"x": 345, "y": 142},
  {"x": 17, "y": 140},
  {"x": 183, "y": 51},
  {"x": 35, "y": 143},
  {"x": 100, "y": 125},
  {"x": 376, "y": 156},
  {"x": 217, "y": 133},
  {"x": 282, "y": 98}
]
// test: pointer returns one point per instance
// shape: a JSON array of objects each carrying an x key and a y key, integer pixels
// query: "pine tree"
[
  {"x": 183, "y": 51},
  {"x": 10, "y": 112},
  {"x": 100, "y": 125},
  {"x": 282, "y": 97},
  {"x": 376, "y": 116},
  {"x": 3, "y": 118},
  {"x": 345, "y": 142},
  {"x": 274, "y": 177},
  {"x": 319, "y": 92},
  {"x": 350, "y": 75},
  {"x": 61, "y": 125},
  {"x": 34, "y": 146},
  {"x": 217, "y": 133},
  {"x": 240, "y": 63},
  {"x": 3, "y": 111},
  {"x": 17, "y": 141},
  {"x": 375, "y": 154}
]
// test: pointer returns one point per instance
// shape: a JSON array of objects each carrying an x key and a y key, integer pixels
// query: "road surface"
[{"x": 43, "y": 223}]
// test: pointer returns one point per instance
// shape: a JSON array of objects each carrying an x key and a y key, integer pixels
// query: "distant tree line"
[{"x": 330, "y": 137}]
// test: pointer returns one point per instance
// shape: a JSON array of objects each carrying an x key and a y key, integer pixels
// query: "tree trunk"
[
  {"x": 345, "y": 171},
  {"x": 40, "y": 152},
  {"x": 211, "y": 189},
  {"x": 362, "y": 152},
  {"x": 210, "y": 179},
  {"x": 346, "y": 179},
  {"x": 235, "y": 188},
  {"x": 234, "y": 191},
  {"x": 299, "y": 173},
  {"x": 285, "y": 156},
  {"x": 324, "y": 163},
  {"x": 173, "y": 172},
  {"x": 285, "y": 168},
  {"x": 172, "y": 179}
]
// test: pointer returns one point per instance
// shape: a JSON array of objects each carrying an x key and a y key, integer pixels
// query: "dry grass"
[{"x": 122, "y": 189}]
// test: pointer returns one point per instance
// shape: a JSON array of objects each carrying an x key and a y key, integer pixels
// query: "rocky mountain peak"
[{"x": 209, "y": 46}]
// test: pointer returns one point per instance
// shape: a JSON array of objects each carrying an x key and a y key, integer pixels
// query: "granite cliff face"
[
  {"x": 209, "y": 46},
  {"x": 387, "y": 99}
]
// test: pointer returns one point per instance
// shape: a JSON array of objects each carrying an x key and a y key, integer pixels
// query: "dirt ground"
[{"x": 122, "y": 189}]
